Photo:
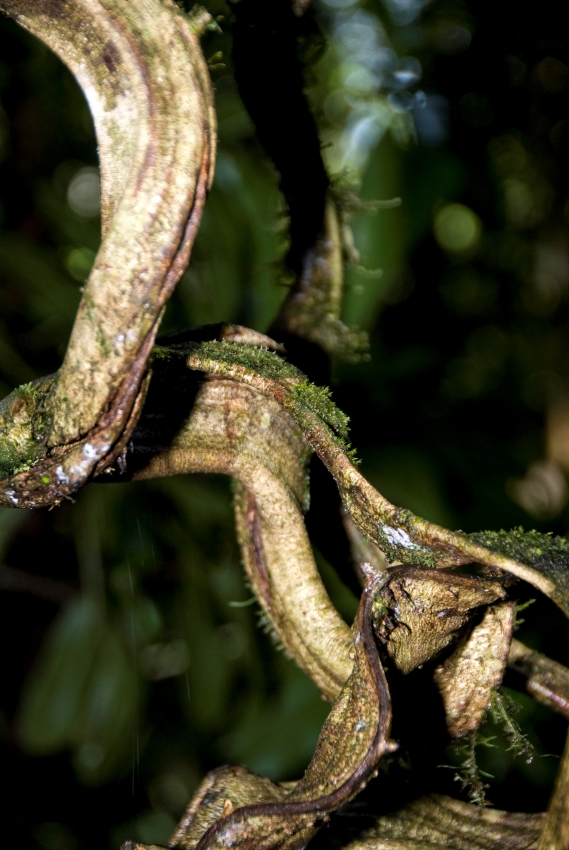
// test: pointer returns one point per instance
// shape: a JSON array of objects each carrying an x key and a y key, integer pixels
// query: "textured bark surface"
[
  {"x": 441, "y": 823},
  {"x": 351, "y": 744},
  {"x": 228, "y": 403},
  {"x": 420, "y": 612},
  {"x": 234, "y": 429},
  {"x": 467, "y": 678},
  {"x": 148, "y": 88}
]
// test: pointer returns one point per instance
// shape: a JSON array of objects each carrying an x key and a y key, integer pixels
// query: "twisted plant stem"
[
  {"x": 148, "y": 88},
  {"x": 399, "y": 532}
]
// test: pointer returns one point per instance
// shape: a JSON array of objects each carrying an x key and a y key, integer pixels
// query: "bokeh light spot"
[
  {"x": 553, "y": 75},
  {"x": 457, "y": 228},
  {"x": 79, "y": 263},
  {"x": 84, "y": 192}
]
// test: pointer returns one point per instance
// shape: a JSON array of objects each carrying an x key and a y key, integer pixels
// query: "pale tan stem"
[
  {"x": 148, "y": 88},
  {"x": 546, "y": 680},
  {"x": 555, "y": 835},
  {"x": 236, "y": 431},
  {"x": 395, "y": 530},
  {"x": 141, "y": 69}
]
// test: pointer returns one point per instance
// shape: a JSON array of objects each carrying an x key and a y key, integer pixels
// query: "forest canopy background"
[{"x": 461, "y": 414}]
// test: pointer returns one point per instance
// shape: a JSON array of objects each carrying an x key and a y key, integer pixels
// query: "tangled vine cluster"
[{"x": 243, "y": 410}]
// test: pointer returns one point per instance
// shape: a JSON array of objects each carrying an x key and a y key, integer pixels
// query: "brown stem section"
[
  {"x": 555, "y": 835},
  {"x": 547, "y": 681},
  {"x": 234, "y": 430},
  {"x": 352, "y": 742},
  {"x": 147, "y": 84},
  {"x": 266, "y": 36},
  {"x": 278, "y": 37}
]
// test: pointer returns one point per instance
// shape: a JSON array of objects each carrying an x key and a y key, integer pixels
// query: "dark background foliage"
[{"x": 130, "y": 665}]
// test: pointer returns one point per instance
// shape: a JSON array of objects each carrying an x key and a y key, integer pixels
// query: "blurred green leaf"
[
  {"x": 141, "y": 621},
  {"x": 51, "y": 706},
  {"x": 155, "y": 827},
  {"x": 106, "y": 717},
  {"x": 276, "y": 736}
]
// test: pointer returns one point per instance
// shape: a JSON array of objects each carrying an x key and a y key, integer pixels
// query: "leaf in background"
[
  {"x": 51, "y": 705},
  {"x": 83, "y": 692},
  {"x": 106, "y": 714},
  {"x": 10, "y": 522},
  {"x": 243, "y": 205},
  {"x": 276, "y": 734},
  {"x": 210, "y": 673},
  {"x": 48, "y": 293},
  {"x": 141, "y": 621}
]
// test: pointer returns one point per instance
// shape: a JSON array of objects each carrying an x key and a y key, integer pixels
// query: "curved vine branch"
[
  {"x": 233, "y": 429},
  {"x": 237, "y": 808},
  {"x": 400, "y": 534},
  {"x": 148, "y": 88}
]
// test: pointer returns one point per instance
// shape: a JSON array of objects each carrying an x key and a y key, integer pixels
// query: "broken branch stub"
[{"x": 147, "y": 85}]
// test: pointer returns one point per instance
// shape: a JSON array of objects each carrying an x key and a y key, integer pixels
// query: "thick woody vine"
[{"x": 243, "y": 409}]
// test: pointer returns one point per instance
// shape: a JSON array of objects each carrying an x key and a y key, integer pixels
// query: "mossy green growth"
[
  {"x": 501, "y": 712},
  {"x": 468, "y": 772},
  {"x": 319, "y": 400},
  {"x": 165, "y": 353},
  {"x": 397, "y": 541},
  {"x": 502, "y": 709},
  {"x": 301, "y": 392},
  {"x": 19, "y": 449},
  {"x": 200, "y": 20},
  {"x": 545, "y": 553},
  {"x": 261, "y": 360}
]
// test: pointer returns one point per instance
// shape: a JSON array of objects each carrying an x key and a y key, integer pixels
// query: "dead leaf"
[{"x": 466, "y": 678}]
